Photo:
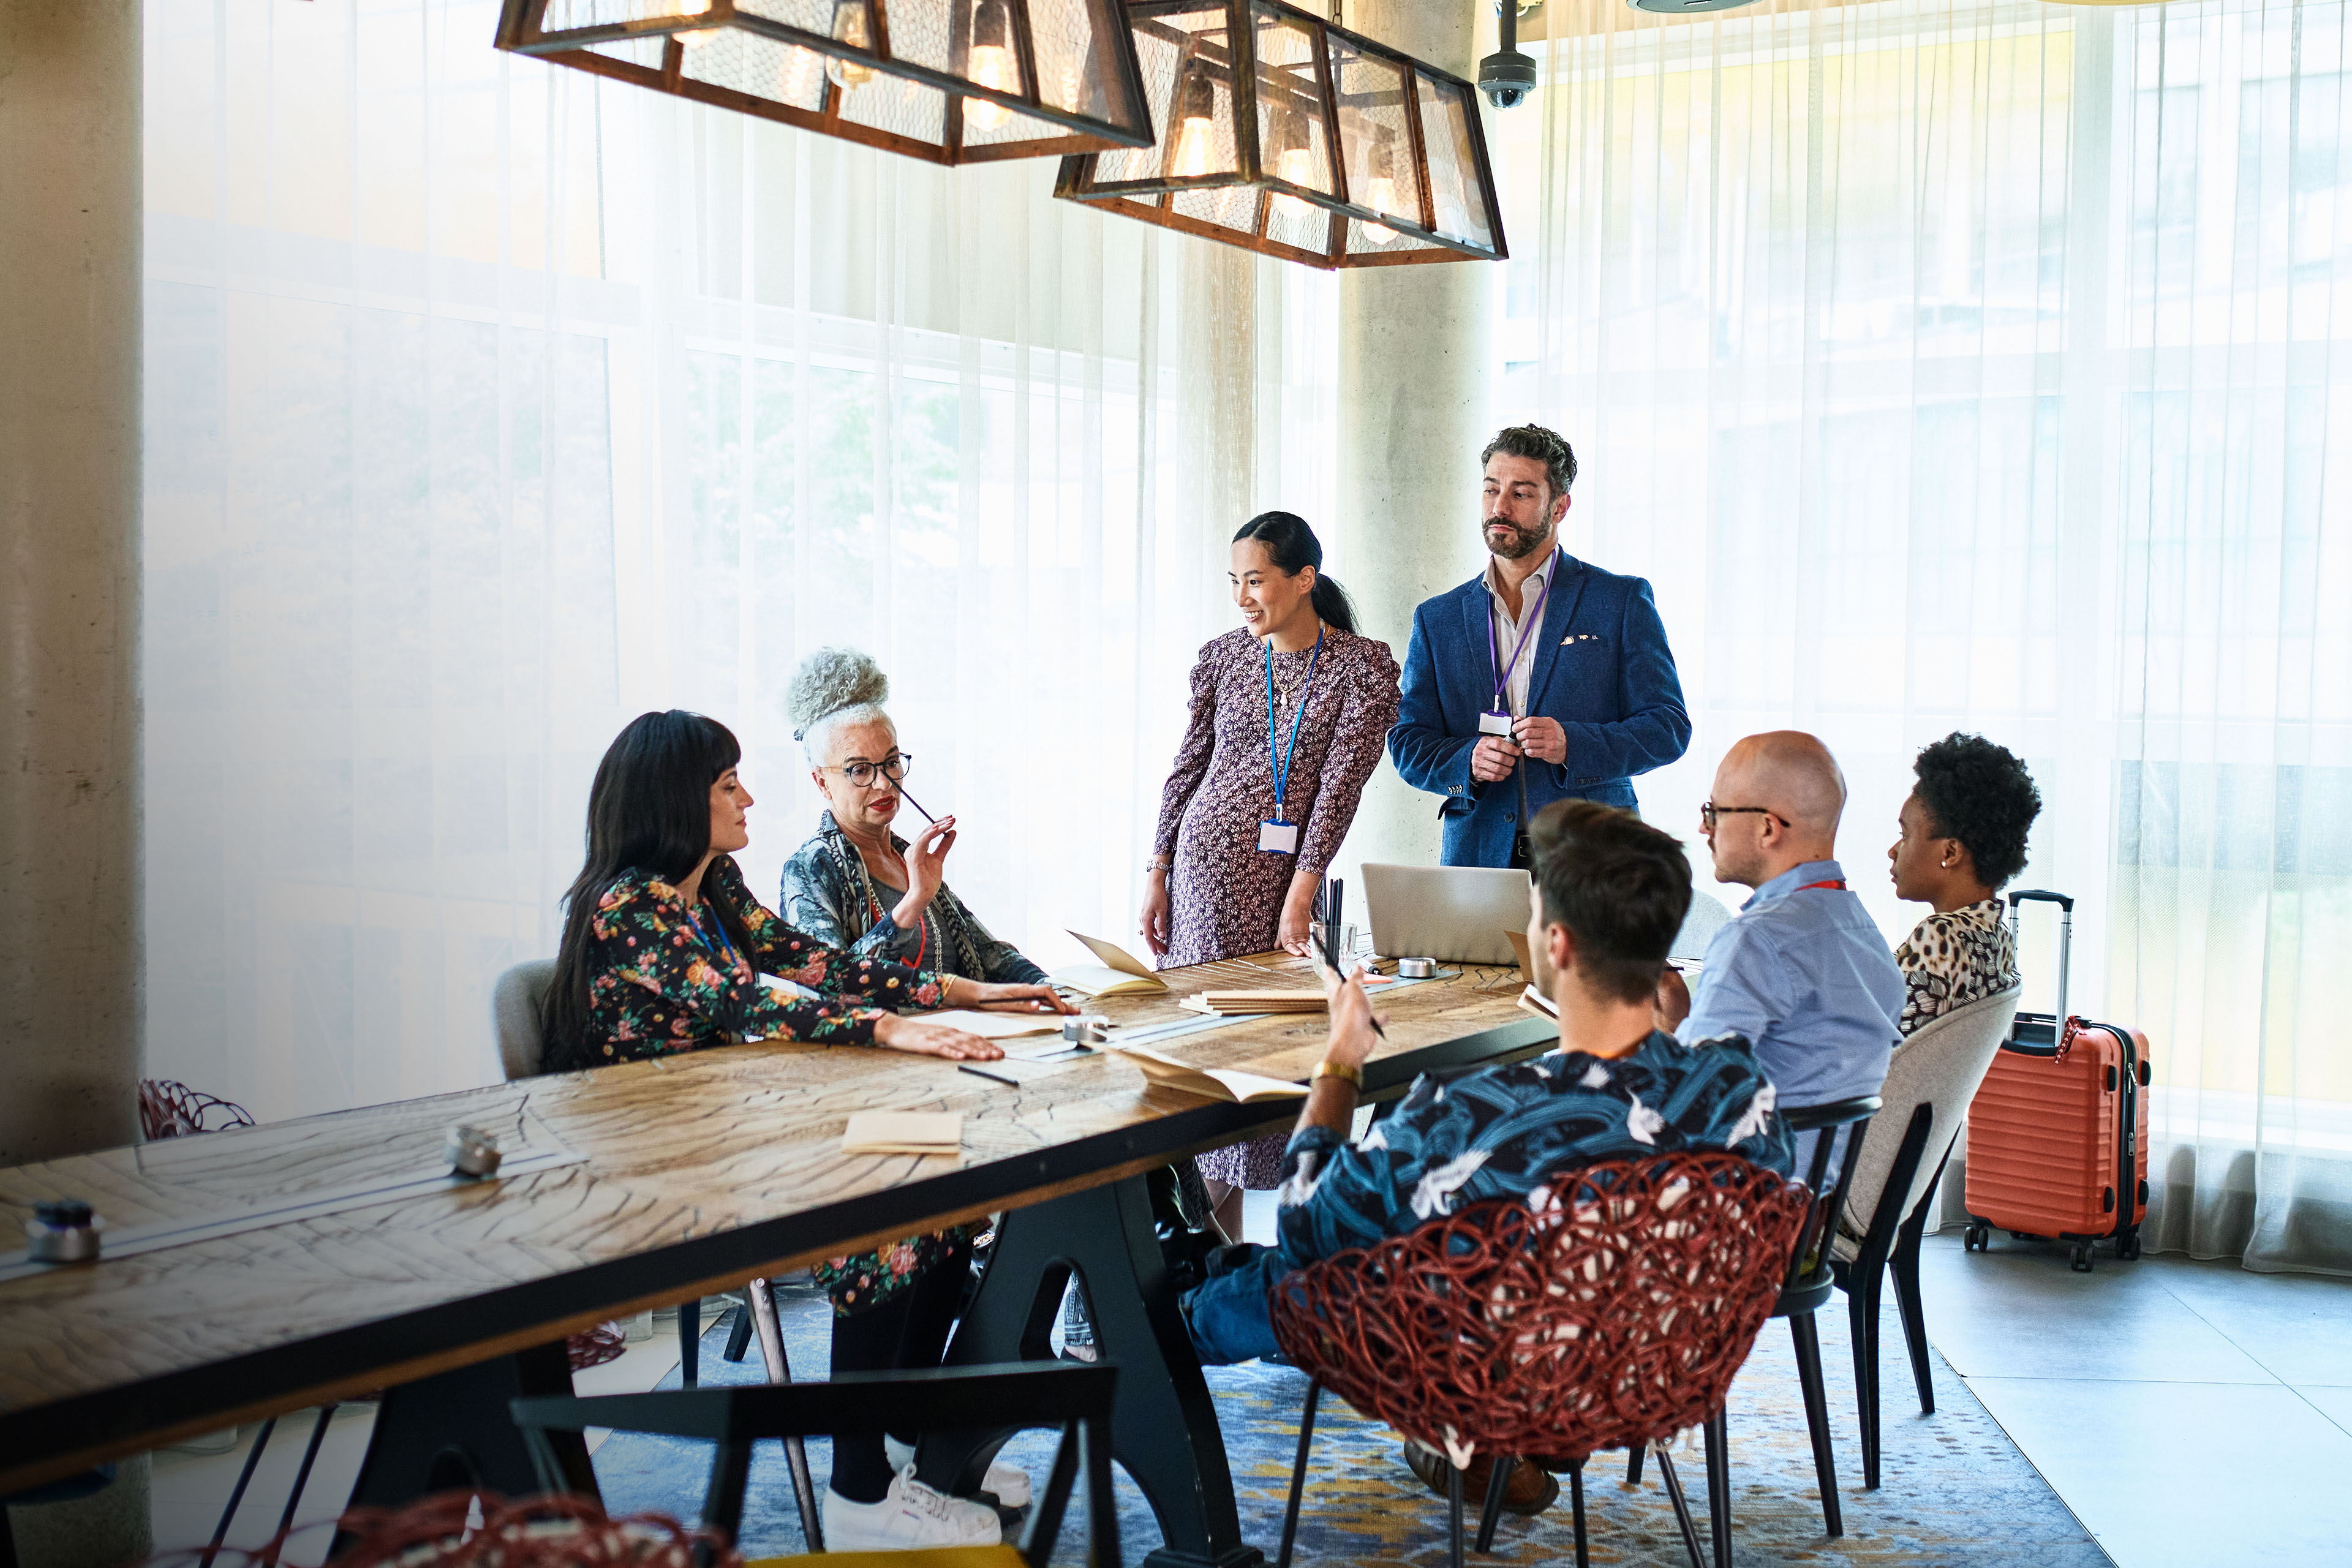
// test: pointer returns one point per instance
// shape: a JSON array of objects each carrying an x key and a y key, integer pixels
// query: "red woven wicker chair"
[{"x": 1610, "y": 1309}]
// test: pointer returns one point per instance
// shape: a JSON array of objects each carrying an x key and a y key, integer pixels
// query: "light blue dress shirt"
[{"x": 1803, "y": 974}]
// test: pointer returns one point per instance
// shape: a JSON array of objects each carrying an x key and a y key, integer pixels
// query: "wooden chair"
[
  {"x": 518, "y": 1018},
  {"x": 1929, "y": 1084},
  {"x": 1808, "y": 1285},
  {"x": 1614, "y": 1315},
  {"x": 1075, "y": 1397}
]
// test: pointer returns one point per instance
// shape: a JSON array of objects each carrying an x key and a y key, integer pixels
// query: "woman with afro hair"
[{"x": 1963, "y": 838}]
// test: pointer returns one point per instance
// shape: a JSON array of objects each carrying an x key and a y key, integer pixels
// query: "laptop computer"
[{"x": 1455, "y": 914}]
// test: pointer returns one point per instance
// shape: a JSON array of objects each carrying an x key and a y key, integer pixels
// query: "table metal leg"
[
  {"x": 453, "y": 1429},
  {"x": 760, "y": 1306},
  {"x": 1163, "y": 1425}
]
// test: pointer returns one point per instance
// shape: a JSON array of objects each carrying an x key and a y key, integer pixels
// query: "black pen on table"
[{"x": 983, "y": 1072}]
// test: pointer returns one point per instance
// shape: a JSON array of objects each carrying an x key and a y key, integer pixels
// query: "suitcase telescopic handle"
[{"x": 2066, "y": 945}]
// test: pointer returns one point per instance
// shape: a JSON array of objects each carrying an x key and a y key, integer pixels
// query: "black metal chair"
[
  {"x": 1076, "y": 1396},
  {"x": 1891, "y": 1235},
  {"x": 1807, "y": 1286},
  {"x": 1928, "y": 1087}
]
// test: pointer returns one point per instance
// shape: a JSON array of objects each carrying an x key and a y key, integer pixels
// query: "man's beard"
[{"x": 1521, "y": 544}]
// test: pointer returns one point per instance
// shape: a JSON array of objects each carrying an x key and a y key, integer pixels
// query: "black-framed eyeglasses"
[
  {"x": 861, "y": 771},
  {"x": 1709, "y": 811}
]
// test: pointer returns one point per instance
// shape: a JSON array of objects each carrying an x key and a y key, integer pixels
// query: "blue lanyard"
[
  {"x": 1281, "y": 757},
  {"x": 726, "y": 942}
]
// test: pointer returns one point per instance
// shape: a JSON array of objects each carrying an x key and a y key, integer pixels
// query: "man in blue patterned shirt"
[{"x": 1608, "y": 895}]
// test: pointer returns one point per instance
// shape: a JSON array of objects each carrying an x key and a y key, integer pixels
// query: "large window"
[{"x": 1977, "y": 367}]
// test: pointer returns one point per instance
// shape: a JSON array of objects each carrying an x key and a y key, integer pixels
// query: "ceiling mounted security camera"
[{"x": 1507, "y": 76}]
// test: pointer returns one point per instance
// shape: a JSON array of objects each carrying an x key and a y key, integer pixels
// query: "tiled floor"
[{"x": 2188, "y": 1413}]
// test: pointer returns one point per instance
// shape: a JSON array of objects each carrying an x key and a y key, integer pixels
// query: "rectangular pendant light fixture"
[
  {"x": 953, "y": 82},
  {"x": 1292, "y": 137}
]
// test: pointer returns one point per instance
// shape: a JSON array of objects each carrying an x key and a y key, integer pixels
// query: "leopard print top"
[{"x": 1952, "y": 960}]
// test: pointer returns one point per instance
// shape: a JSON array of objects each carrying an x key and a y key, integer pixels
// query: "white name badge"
[
  {"x": 1495, "y": 724},
  {"x": 1279, "y": 837}
]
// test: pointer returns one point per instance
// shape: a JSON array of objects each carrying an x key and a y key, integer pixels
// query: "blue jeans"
[{"x": 1229, "y": 1313}]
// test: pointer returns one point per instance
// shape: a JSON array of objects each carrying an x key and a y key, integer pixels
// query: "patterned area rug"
[{"x": 1955, "y": 1490}]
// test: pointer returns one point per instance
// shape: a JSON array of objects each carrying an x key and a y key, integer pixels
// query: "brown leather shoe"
[{"x": 1530, "y": 1492}]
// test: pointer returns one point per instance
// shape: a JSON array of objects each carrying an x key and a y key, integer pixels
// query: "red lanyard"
[
  {"x": 922, "y": 923},
  {"x": 1838, "y": 885}
]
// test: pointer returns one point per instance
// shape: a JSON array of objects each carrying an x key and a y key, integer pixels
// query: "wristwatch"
[{"x": 1327, "y": 1069}]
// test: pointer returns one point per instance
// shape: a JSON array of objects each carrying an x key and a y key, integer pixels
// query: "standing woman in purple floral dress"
[{"x": 1290, "y": 710}]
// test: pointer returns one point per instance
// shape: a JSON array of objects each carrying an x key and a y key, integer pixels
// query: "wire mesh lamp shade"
[
  {"x": 1289, "y": 136},
  {"x": 953, "y": 82}
]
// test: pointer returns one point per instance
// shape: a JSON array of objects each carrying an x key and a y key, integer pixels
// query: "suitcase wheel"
[
  {"x": 1976, "y": 1239},
  {"x": 2128, "y": 1248},
  {"x": 2082, "y": 1263}
]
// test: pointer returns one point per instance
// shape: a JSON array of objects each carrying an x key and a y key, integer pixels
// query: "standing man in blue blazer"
[{"x": 1540, "y": 679}]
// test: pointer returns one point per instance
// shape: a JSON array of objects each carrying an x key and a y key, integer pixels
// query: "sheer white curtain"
[
  {"x": 491, "y": 405},
  {"x": 1977, "y": 366}
]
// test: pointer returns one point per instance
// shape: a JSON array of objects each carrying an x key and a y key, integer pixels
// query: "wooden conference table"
[{"x": 341, "y": 1260}]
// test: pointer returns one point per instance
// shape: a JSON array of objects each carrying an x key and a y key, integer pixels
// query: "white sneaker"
[
  {"x": 911, "y": 1516},
  {"x": 1010, "y": 1485}
]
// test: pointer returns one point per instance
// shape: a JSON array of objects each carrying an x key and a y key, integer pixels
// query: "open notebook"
[
  {"x": 1120, "y": 973},
  {"x": 1208, "y": 1083}
]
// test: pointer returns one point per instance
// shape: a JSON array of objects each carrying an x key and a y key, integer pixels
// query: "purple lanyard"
[{"x": 1502, "y": 672}]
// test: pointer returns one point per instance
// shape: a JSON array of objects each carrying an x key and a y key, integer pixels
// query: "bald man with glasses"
[{"x": 1802, "y": 972}]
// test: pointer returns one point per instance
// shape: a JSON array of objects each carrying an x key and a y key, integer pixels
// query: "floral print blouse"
[{"x": 660, "y": 982}]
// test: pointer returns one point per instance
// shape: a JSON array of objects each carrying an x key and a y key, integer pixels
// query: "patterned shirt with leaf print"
[{"x": 1503, "y": 1132}]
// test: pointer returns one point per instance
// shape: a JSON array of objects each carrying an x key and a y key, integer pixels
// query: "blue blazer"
[{"x": 1603, "y": 668}]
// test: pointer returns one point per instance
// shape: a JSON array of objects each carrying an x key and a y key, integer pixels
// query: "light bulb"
[
  {"x": 793, "y": 81},
  {"x": 1384, "y": 199},
  {"x": 1295, "y": 165},
  {"x": 849, "y": 28},
  {"x": 990, "y": 63},
  {"x": 992, "y": 66},
  {"x": 1192, "y": 143}
]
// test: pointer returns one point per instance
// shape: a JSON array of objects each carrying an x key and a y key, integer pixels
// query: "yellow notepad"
[
  {"x": 903, "y": 1132},
  {"x": 1120, "y": 973},
  {"x": 1208, "y": 1083}
]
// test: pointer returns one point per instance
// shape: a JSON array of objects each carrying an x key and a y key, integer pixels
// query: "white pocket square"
[{"x": 1580, "y": 637}]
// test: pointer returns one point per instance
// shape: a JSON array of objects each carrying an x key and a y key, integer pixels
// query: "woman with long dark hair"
[
  {"x": 1290, "y": 710},
  {"x": 663, "y": 950}
]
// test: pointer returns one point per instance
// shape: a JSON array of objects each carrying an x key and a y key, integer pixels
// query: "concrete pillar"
[
  {"x": 1414, "y": 355},
  {"x": 71, "y": 958}
]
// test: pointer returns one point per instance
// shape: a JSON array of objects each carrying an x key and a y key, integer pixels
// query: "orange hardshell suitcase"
[{"x": 2058, "y": 1131}]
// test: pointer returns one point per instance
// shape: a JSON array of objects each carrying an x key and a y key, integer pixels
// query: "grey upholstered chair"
[
  {"x": 519, "y": 1015},
  {"x": 1706, "y": 916},
  {"x": 1930, "y": 1083}
]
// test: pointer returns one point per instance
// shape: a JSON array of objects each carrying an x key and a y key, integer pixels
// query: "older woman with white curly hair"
[{"x": 857, "y": 885}]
